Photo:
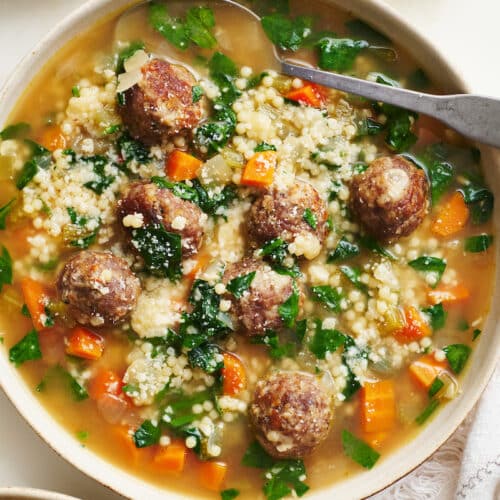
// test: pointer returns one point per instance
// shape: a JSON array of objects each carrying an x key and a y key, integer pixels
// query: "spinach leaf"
[
  {"x": 255, "y": 456},
  {"x": 338, "y": 54},
  {"x": 208, "y": 357},
  {"x": 435, "y": 387},
  {"x": 173, "y": 29},
  {"x": 370, "y": 243},
  {"x": 285, "y": 477},
  {"x": 180, "y": 189},
  {"x": 429, "y": 265},
  {"x": 215, "y": 133},
  {"x": 428, "y": 411},
  {"x": 344, "y": 250},
  {"x": 437, "y": 316},
  {"x": 479, "y": 243},
  {"x": 457, "y": 355},
  {"x": 325, "y": 341},
  {"x": 441, "y": 175},
  {"x": 353, "y": 275},
  {"x": 213, "y": 203},
  {"x": 480, "y": 201},
  {"x": 75, "y": 91},
  {"x": 475, "y": 333},
  {"x": 352, "y": 384},
  {"x": 40, "y": 159},
  {"x": 289, "y": 310},
  {"x": 15, "y": 131},
  {"x": 77, "y": 234},
  {"x": 418, "y": 79},
  {"x": 160, "y": 250},
  {"x": 301, "y": 329},
  {"x": 358, "y": 450},
  {"x": 329, "y": 296},
  {"x": 229, "y": 494},
  {"x": 147, "y": 434},
  {"x": 223, "y": 71},
  {"x": 27, "y": 349},
  {"x": 101, "y": 181},
  {"x": 286, "y": 33},
  {"x": 206, "y": 320},
  {"x": 369, "y": 126},
  {"x": 4, "y": 211},
  {"x": 270, "y": 339},
  {"x": 239, "y": 285},
  {"x": 275, "y": 252},
  {"x": 127, "y": 53},
  {"x": 197, "y": 93},
  {"x": 264, "y": 146},
  {"x": 5, "y": 268},
  {"x": 132, "y": 150},
  {"x": 360, "y": 29},
  {"x": 77, "y": 392},
  {"x": 199, "y": 21},
  {"x": 310, "y": 218}
]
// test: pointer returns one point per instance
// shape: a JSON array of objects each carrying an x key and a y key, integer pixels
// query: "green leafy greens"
[
  {"x": 27, "y": 349},
  {"x": 479, "y": 243},
  {"x": 358, "y": 450},
  {"x": 5, "y": 268},
  {"x": 457, "y": 355}
]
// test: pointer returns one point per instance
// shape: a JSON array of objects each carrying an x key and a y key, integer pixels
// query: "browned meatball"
[
  {"x": 257, "y": 309},
  {"x": 99, "y": 288},
  {"x": 291, "y": 414},
  {"x": 161, "y": 103},
  {"x": 284, "y": 214},
  {"x": 147, "y": 203},
  {"x": 390, "y": 198}
]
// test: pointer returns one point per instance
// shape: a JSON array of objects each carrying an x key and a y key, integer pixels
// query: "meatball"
[
  {"x": 291, "y": 414},
  {"x": 161, "y": 103},
  {"x": 297, "y": 215},
  {"x": 99, "y": 288},
  {"x": 147, "y": 203},
  {"x": 257, "y": 309},
  {"x": 390, "y": 198}
]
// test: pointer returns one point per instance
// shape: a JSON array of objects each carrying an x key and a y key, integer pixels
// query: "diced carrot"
[
  {"x": 375, "y": 439},
  {"x": 171, "y": 458},
  {"x": 36, "y": 298},
  {"x": 53, "y": 138},
  {"x": 415, "y": 327},
  {"x": 378, "y": 406},
  {"x": 259, "y": 170},
  {"x": 212, "y": 475},
  {"x": 85, "y": 344},
  {"x": 123, "y": 435},
  {"x": 448, "y": 295},
  {"x": 452, "y": 216},
  {"x": 425, "y": 369},
  {"x": 182, "y": 166},
  {"x": 310, "y": 94},
  {"x": 105, "y": 382},
  {"x": 234, "y": 378}
]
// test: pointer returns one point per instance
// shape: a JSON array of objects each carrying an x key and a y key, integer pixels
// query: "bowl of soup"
[{"x": 220, "y": 281}]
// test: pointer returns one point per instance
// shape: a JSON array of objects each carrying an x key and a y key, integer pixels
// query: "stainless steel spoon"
[{"x": 474, "y": 116}]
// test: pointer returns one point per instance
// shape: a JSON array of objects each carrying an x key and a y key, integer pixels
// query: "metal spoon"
[{"x": 474, "y": 116}]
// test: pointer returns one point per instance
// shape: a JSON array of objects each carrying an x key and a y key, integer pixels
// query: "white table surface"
[{"x": 466, "y": 31}]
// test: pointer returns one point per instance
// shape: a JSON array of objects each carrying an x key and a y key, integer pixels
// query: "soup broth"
[{"x": 382, "y": 325}]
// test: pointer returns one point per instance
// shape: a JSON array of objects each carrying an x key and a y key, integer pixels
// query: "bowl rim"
[
  {"x": 25, "y": 493},
  {"x": 381, "y": 16}
]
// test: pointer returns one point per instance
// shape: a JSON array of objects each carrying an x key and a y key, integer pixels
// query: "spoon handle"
[{"x": 474, "y": 116}]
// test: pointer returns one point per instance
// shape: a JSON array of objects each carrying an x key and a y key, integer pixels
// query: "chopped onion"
[
  {"x": 112, "y": 408},
  {"x": 326, "y": 381}
]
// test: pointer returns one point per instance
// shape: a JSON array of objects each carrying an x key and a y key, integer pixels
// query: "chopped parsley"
[
  {"x": 239, "y": 285},
  {"x": 328, "y": 296},
  {"x": 264, "y": 146},
  {"x": 75, "y": 91},
  {"x": 5, "y": 268},
  {"x": 358, "y": 450},
  {"x": 5, "y": 211},
  {"x": 112, "y": 129},
  {"x": 457, "y": 356},
  {"x": 479, "y": 243},
  {"x": 160, "y": 250},
  {"x": 429, "y": 266},
  {"x": 310, "y": 218},
  {"x": 197, "y": 93},
  {"x": 82, "y": 435},
  {"x": 27, "y": 349}
]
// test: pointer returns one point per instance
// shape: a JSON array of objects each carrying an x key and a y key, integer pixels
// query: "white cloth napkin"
[{"x": 467, "y": 466}]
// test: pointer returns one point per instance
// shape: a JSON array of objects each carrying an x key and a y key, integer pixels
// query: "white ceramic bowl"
[
  {"x": 389, "y": 469},
  {"x": 16, "y": 493}
]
